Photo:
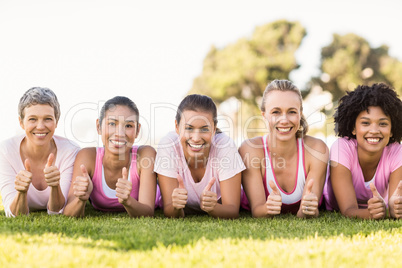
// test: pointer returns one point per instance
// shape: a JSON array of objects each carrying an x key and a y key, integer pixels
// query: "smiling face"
[
  {"x": 196, "y": 130},
  {"x": 372, "y": 130},
  {"x": 283, "y": 113},
  {"x": 119, "y": 129},
  {"x": 39, "y": 123}
]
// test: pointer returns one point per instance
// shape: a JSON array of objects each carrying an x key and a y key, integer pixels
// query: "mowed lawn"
[{"x": 115, "y": 240}]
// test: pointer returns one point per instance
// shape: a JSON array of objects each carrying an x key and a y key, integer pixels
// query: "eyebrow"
[
  {"x": 281, "y": 108},
  {"x": 193, "y": 126},
  {"x": 114, "y": 119},
  {"x": 366, "y": 118}
]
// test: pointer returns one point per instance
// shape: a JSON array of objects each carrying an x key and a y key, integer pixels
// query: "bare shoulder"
[
  {"x": 315, "y": 150},
  {"x": 86, "y": 157},
  {"x": 252, "y": 147},
  {"x": 315, "y": 144},
  {"x": 146, "y": 151},
  {"x": 89, "y": 152}
]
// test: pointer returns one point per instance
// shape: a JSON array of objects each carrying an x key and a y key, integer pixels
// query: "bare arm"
[
  {"x": 81, "y": 183},
  {"x": 146, "y": 197},
  {"x": 341, "y": 180},
  {"x": 317, "y": 155},
  {"x": 395, "y": 194},
  {"x": 252, "y": 154},
  {"x": 174, "y": 196},
  {"x": 230, "y": 194}
]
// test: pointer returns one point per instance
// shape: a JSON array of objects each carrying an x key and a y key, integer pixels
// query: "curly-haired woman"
[{"x": 366, "y": 161}]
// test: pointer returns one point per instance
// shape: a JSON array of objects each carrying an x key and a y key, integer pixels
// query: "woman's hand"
[
  {"x": 309, "y": 202},
  {"x": 52, "y": 173},
  {"x": 274, "y": 201},
  {"x": 83, "y": 185},
  {"x": 24, "y": 178},
  {"x": 208, "y": 198},
  {"x": 376, "y": 204},
  {"x": 123, "y": 187},
  {"x": 179, "y": 195},
  {"x": 395, "y": 202}
]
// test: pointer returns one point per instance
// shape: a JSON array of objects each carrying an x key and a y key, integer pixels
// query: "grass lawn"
[{"x": 115, "y": 240}]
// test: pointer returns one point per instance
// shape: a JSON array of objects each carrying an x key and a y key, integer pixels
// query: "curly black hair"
[{"x": 359, "y": 100}]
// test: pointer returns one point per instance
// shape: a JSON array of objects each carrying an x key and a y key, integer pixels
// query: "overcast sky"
[{"x": 150, "y": 51}]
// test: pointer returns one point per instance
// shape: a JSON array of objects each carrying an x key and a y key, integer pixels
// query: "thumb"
[
  {"x": 398, "y": 190},
  {"x": 84, "y": 171},
  {"x": 309, "y": 186},
  {"x": 181, "y": 183},
  {"x": 124, "y": 172},
  {"x": 275, "y": 190},
  {"x": 27, "y": 165},
  {"x": 210, "y": 183},
  {"x": 374, "y": 190},
  {"x": 50, "y": 160}
]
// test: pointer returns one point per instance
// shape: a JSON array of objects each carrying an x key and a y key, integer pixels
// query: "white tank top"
[{"x": 296, "y": 194}]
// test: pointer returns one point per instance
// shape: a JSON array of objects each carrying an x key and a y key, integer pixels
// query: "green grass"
[{"x": 115, "y": 240}]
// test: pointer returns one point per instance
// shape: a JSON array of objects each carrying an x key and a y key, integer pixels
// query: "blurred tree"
[
  {"x": 350, "y": 61},
  {"x": 243, "y": 69}
]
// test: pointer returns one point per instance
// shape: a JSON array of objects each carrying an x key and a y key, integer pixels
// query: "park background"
[{"x": 156, "y": 52}]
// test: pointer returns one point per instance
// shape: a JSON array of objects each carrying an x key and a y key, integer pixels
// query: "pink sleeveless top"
[
  {"x": 290, "y": 201},
  {"x": 99, "y": 199}
]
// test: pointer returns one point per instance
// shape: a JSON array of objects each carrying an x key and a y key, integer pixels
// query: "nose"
[
  {"x": 41, "y": 124},
  {"x": 195, "y": 136},
  {"x": 121, "y": 130},
  {"x": 374, "y": 128}
]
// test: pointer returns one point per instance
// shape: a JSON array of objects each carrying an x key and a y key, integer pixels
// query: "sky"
[{"x": 150, "y": 51}]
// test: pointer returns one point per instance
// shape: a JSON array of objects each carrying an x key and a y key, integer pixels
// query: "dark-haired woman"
[
  {"x": 118, "y": 176},
  {"x": 199, "y": 168},
  {"x": 285, "y": 168},
  {"x": 366, "y": 162}
]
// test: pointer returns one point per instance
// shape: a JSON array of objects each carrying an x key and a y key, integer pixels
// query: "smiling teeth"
[
  {"x": 195, "y": 146},
  {"x": 373, "y": 140},
  {"x": 40, "y": 134},
  {"x": 118, "y": 143},
  {"x": 284, "y": 129}
]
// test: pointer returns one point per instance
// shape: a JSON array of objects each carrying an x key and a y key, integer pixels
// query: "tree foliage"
[
  {"x": 242, "y": 69},
  {"x": 349, "y": 60}
]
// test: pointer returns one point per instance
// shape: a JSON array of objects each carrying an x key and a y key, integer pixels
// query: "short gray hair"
[{"x": 39, "y": 95}]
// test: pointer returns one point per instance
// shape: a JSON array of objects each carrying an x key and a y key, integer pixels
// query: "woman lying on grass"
[
  {"x": 118, "y": 176},
  {"x": 366, "y": 162},
  {"x": 285, "y": 168},
  {"x": 198, "y": 166},
  {"x": 36, "y": 168}
]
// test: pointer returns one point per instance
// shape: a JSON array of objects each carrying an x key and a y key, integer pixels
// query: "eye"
[
  {"x": 365, "y": 123},
  {"x": 275, "y": 112},
  {"x": 111, "y": 124},
  {"x": 129, "y": 126},
  {"x": 205, "y": 130},
  {"x": 49, "y": 119},
  {"x": 384, "y": 124}
]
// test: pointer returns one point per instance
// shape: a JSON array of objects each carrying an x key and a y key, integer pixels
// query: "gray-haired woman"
[{"x": 36, "y": 167}]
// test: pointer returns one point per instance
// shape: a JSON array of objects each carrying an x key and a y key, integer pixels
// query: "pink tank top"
[
  {"x": 290, "y": 201},
  {"x": 98, "y": 198}
]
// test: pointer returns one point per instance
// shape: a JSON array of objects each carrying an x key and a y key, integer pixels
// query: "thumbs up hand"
[
  {"x": 309, "y": 202},
  {"x": 208, "y": 199},
  {"x": 52, "y": 173},
  {"x": 376, "y": 204},
  {"x": 83, "y": 185},
  {"x": 24, "y": 178},
  {"x": 395, "y": 202},
  {"x": 274, "y": 200},
  {"x": 123, "y": 187},
  {"x": 179, "y": 195}
]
